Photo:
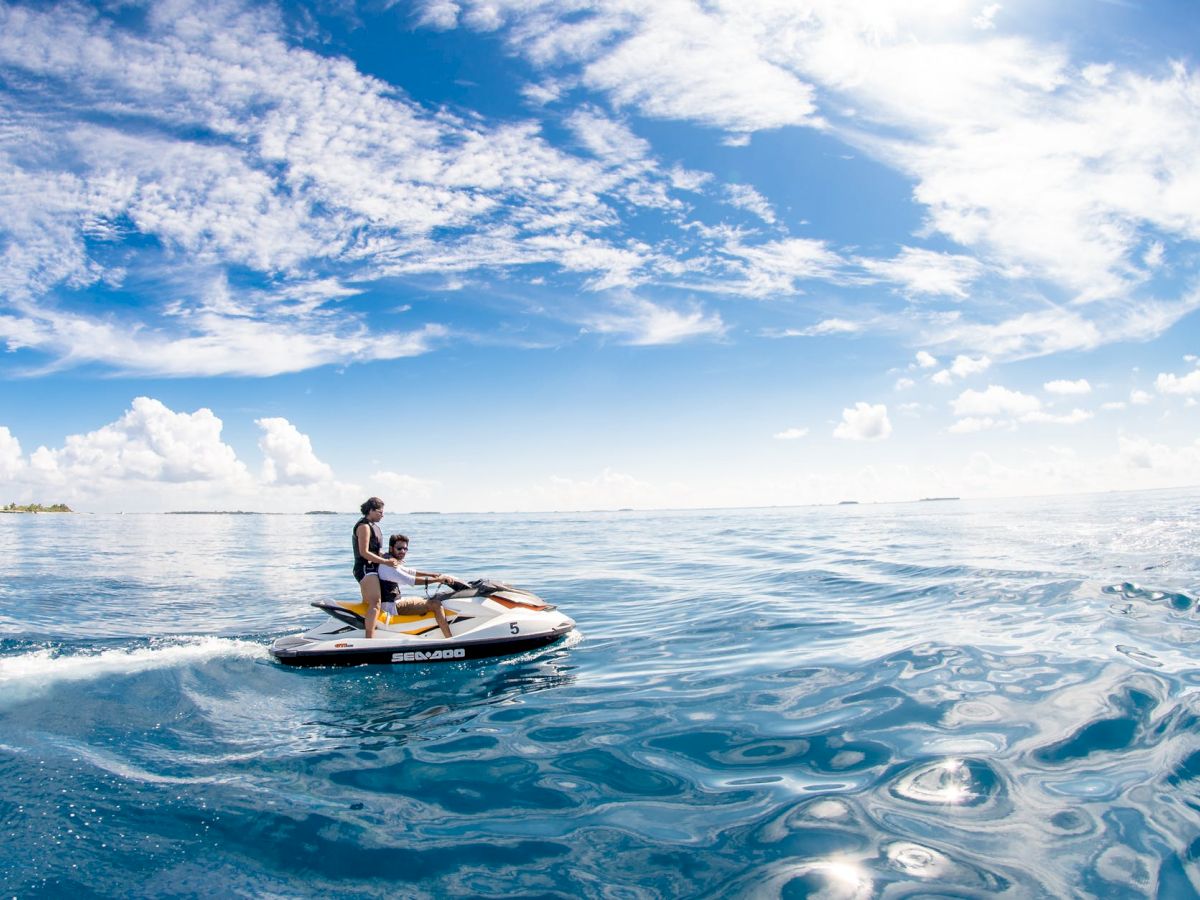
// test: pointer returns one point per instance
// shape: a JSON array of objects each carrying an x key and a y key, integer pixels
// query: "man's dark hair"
[{"x": 395, "y": 539}]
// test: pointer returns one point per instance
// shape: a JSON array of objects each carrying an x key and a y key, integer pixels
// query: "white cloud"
[
  {"x": 311, "y": 162},
  {"x": 149, "y": 443},
  {"x": 1051, "y": 168},
  {"x": 441, "y": 15},
  {"x": 213, "y": 343},
  {"x": 962, "y": 367},
  {"x": 688, "y": 179},
  {"x": 746, "y": 197},
  {"x": 1113, "y": 405},
  {"x": 924, "y": 272},
  {"x": 609, "y": 140},
  {"x": 976, "y": 423},
  {"x": 965, "y": 365},
  {"x": 1074, "y": 417},
  {"x": 903, "y": 384},
  {"x": 774, "y": 268},
  {"x": 1139, "y": 397},
  {"x": 11, "y": 462},
  {"x": 543, "y": 92},
  {"x": 1062, "y": 386},
  {"x": 865, "y": 422},
  {"x": 1140, "y": 452},
  {"x": 926, "y": 360},
  {"x": 681, "y": 63},
  {"x": 985, "y": 21},
  {"x": 644, "y": 323},
  {"x": 820, "y": 329},
  {"x": 288, "y": 457},
  {"x": 1031, "y": 334},
  {"x": 1169, "y": 383},
  {"x": 996, "y": 400},
  {"x": 791, "y": 434}
]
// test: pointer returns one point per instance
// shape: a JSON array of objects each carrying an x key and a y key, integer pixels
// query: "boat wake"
[{"x": 27, "y": 673}]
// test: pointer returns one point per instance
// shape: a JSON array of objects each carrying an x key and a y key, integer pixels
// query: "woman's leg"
[{"x": 369, "y": 587}]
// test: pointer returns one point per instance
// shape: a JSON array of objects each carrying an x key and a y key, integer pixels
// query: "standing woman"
[{"x": 368, "y": 541}]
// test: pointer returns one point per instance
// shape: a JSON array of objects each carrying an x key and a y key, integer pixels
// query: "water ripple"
[{"x": 925, "y": 700}]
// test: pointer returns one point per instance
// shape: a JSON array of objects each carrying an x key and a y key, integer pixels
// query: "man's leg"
[{"x": 440, "y": 615}]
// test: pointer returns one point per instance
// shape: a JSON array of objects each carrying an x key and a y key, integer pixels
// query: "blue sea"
[{"x": 937, "y": 699}]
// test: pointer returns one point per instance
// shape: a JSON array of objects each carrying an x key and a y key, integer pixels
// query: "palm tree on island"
[{"x": 37, "y": 508}]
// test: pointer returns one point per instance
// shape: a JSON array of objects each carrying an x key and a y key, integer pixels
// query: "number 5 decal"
[{"x": 512, "y": 626}]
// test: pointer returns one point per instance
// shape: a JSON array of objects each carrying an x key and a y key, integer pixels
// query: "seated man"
[{"x": 390, "y": 580}]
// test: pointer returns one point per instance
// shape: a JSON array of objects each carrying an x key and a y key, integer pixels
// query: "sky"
[{"x": 477, "y": 255}]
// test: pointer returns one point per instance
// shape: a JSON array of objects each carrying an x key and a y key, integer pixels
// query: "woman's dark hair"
[
  {"x": 395, "y": 538},
  {"x": 370, "y": 504}
]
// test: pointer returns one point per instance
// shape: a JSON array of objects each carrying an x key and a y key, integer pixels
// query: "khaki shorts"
[{"x": 407, "y": 606}]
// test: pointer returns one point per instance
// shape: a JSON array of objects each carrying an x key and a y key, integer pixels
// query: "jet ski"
[{"x": 486, "y": 618}]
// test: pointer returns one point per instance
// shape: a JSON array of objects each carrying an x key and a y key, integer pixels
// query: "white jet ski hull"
[{"x": 484, "y": 622}]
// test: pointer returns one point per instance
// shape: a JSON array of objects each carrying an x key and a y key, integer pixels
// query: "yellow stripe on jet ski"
[{"x": 386, "y": 618}]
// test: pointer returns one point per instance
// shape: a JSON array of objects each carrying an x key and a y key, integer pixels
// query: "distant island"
[
  {"x": 36, "y": 508},
  {"x": 320, "y": 512},
  {"x": 847, "y": 503},
  {"x": 424, "y": 512},
  {"x": 935, "y": 499}
]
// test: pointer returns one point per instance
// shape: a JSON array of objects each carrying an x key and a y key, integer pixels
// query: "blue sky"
[{"x": 514, "y": 254}]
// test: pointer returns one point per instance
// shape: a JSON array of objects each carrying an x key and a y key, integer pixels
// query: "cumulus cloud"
[
  {"x": 153, "y": 458},
  {"x": 1169, "y": 383},
  {"x": 925, "y": 359},
  {"x": 149, "y": 443},
  {"x": 999, "y": 407},
  {"x": 1065, "y": 387},
  {"x": 962, "y": 367},
  {"x": 1140, "y": 398},
  {"x": 865, "y": 422},
  {"x": 288, "y": 457},
  {"x": 791, "y": 434},
  {"x": 994, "y": 401},
  {"x": 11, "y": 461}
]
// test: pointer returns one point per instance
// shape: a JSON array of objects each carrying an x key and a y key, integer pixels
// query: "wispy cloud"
[
  {"x": 643, "y": 323},
  {"x": 924, "y": 272}
]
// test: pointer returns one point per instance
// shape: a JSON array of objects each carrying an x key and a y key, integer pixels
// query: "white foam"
[{"x": 43, "y": 668}]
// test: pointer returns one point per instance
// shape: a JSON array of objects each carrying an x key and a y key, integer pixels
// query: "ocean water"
[{"x": 945, "y": 699}]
